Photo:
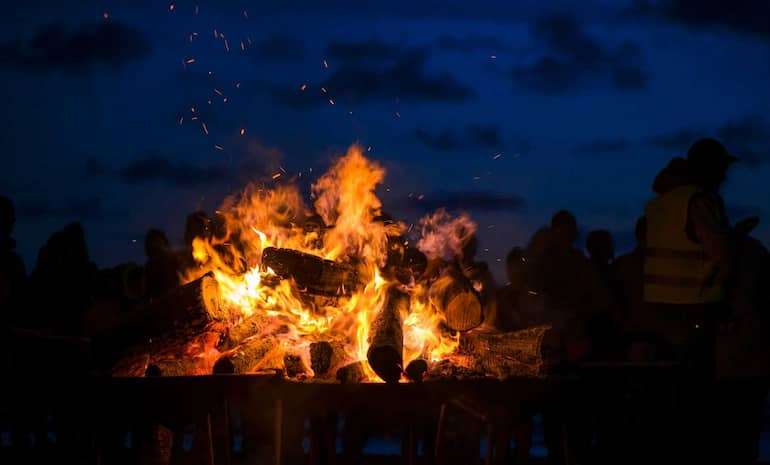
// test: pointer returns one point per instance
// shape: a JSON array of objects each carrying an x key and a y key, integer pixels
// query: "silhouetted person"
[
  {"x": 13, "y": 275},
  {"x": 687, "y": 263},
  {"x": 162, "y": 266},
  {"x": 573, "y": 294},
  {"x": 63, "y": 279},
  {"x": 197, "y": 225},
  {"x": 743, "y": 356},
  {"x": 481, "y": 277}
]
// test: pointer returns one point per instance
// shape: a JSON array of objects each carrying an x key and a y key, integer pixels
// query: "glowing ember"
[{"x": 345, "y": 227}]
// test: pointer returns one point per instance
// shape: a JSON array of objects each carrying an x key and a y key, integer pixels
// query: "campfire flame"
[{"x": 356, "y": 235}]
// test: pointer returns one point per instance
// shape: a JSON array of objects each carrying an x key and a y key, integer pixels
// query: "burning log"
[
  {"x": 253, "y": 325},
  {"x": 504, "y": 355},
  {"x": 352, "y": 373},
  {"x": 246, "y": 357},
  {"x": 416, "y": 370},
  {"x": 453, "y": 295},
  {"x": 386, "y": 336},
  {"x": 294, "y": 365},
  {"x": 172, "y": 367},
  {"x": 313, "y": 274},
  {"x": 194, "y": 305},
  {"x": 325, "y": 357}
]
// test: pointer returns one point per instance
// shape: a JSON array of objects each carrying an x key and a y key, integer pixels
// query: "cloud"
[
  {"x": 747, "y": 137},
  {"x": 479, "y": 201},
  {"x": 371, "y": 50},
  {"x": 357, "y": 79},
  {"x": 279, "y": 48},
  {"x": 76, "y": 209},
  {"x": 154, "y": 168},
  {"x": 54, "y": 48},
  {"x": 749, "y": 17},
  {"x": 472, "y": 136},
  {"x": 602, "y": 147},
  {"x": 574, "y": 59},
  {"x": 470, "y": 43}
]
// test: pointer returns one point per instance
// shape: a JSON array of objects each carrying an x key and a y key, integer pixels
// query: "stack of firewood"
[{"x": 190, "y": 331}]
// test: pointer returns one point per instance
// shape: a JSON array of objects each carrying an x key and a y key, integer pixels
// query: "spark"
[
  {"x": 192, "y": 109},
  {"x": 331, "y": 100},
  {"x": 476, "y": 178},
  {"x": 498, "y": 155},
  {"x": 106, "y": 15},
  {"x": 181, "y": 120},
  {"x": 171, "y": 7},
  {"x": 303, "y": 87},
  {"x": 197, "y": 8},
  {"x": 216, "y": 34},
  {"x": 227, "y": 46},
  {"x": 237, "y": 85},
  {"x": 248, "y": 39},
  {"x": 326, "y": 63},
  {"x": 218, "y": 147},
  {"x": 243, "y": 131},
  {"x": 245, "y": 14},
  {"x": 224, "y": 100},
  {"x": 243, "y": 46},
  {"x": 276, "y": 175},
  {"x": 421, "y": 196},
  {"x": 205, "y": 128},
  {"x": 190, "y": 61},
  {"x": 323, "y": 89},
  {"x": 398, "y": 115},
  {"x": 492, "y": 57},
  {"x": 219, "y": 92},
  {"x": 282, "y": 169},
  {"x": 194, "y": 118}
]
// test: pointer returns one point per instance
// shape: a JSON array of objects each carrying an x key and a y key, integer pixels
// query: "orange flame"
[{"x": 344, "y": 199}]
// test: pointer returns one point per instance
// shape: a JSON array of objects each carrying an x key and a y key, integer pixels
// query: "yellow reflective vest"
[{"x": 676, "y": 270}]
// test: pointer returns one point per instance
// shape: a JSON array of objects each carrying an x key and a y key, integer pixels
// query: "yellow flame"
[{"x": 346, "y": 201}]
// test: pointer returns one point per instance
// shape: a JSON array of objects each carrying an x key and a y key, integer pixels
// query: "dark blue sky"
[{"x": 509, "y": 110}]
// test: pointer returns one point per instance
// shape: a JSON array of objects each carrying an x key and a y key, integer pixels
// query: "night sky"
[{"x": 509, "y": 110}]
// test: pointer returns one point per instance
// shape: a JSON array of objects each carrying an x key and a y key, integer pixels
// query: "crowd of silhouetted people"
[{"x": 692, "y": 298}]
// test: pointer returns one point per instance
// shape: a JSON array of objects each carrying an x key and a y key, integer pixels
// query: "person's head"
[
  {"x": 7, "y": 216},
  {"x": 196, "y": 225},
  {"x": 564, "y": 228},
  {"x": 155, "y": 243},
  {"x": 708, "y": 161},
  {"x": 640, "y": 231},
  {"x": 515, "y": 265},
  {"x": 601, "y": 247}
]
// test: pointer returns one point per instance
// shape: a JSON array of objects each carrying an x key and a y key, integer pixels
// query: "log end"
[
  {"x": 463, "y": 312},
  {"x": 416, "y": 370},
  {"x": 386, "y": 361}
]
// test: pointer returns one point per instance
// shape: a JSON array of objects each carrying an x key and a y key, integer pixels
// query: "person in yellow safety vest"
[{"x": 687, "y": 262}]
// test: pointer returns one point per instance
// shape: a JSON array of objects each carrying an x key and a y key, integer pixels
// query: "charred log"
[
  {"x": 352, "y": 373},
  {"x": 293, "y": 365},
  {"x": 416, "y": 370},
  {"x": 249, "y": 356},
  {"x": 386, "y": 336},
  {"x": 325, "y": 357},
  {"x": 313, "y": 274},
  {"x": 176, "y": 367},
  {"x": 196, "y": 304},
  {"x": 504, "y": 355},
  {"x": 253, "y": 325},
  {"x": 452, "y": 294}
]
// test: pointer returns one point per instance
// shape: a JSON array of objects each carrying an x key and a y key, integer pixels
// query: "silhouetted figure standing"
[
  {"x": 687, "y": 264},
  {"x": 13, "y": 275},
  {"x": 197, "y": 225},
  {"x": 481, "y": 278},
  {"x": 162, "y": 266},
  {"x": 62, "y": 280},
  {"x": 572, "y": 294},
  {"x": 743, "y": 356}
]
